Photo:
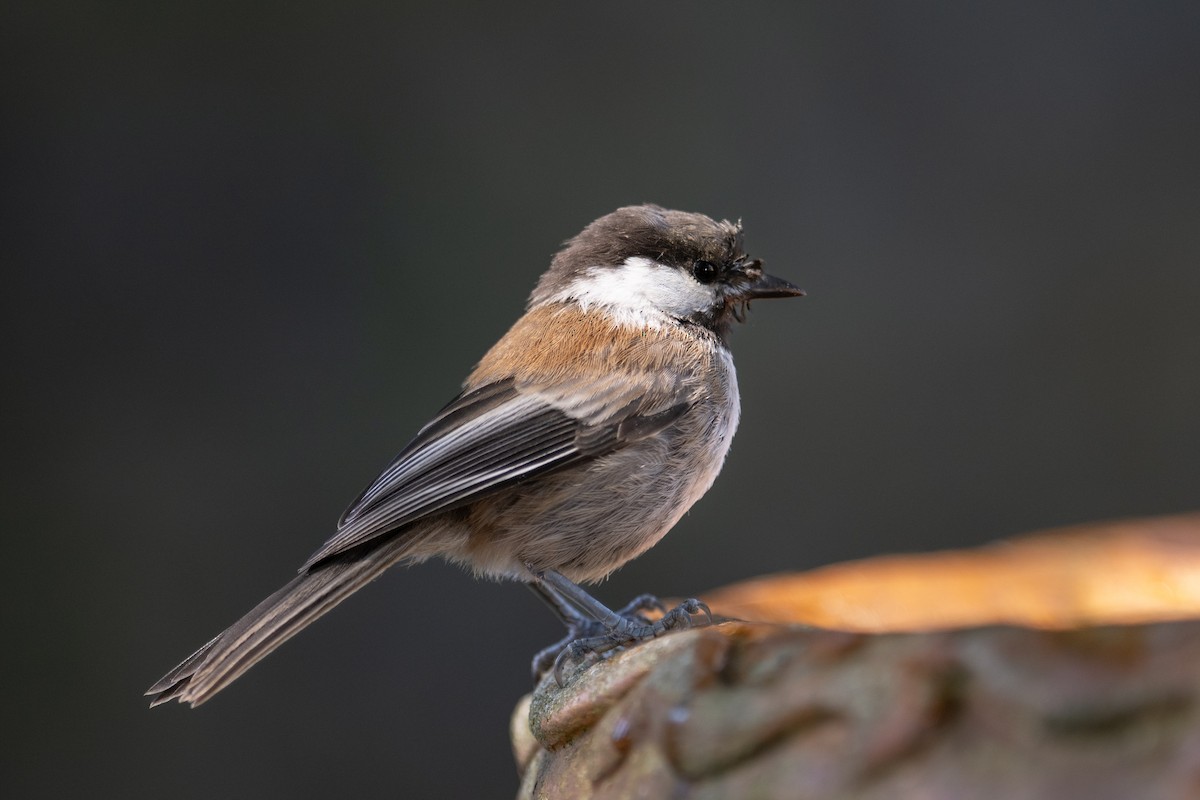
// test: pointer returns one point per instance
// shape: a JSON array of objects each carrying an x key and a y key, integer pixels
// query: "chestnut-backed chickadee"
[{"x": 582, "y": 436}]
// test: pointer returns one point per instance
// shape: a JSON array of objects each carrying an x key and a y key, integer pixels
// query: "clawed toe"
[
  {"x": 681, "y": 615},
  {"x": 549, "y": 657},
  {"x": 643, "y": 602},
  {"x": 584, "y": 652}
]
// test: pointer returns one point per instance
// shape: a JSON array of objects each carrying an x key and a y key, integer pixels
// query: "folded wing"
[{"x": 492, "y": 437}]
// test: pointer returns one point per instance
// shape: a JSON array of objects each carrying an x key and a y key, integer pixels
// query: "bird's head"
[{"x": 648, "y": 265}]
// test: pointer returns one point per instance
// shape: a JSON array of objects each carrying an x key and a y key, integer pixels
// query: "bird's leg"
[
  {"x": 578, "y": 627},
  {"x": 594, "y": 629}
]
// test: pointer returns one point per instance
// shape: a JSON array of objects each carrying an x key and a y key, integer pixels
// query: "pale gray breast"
[{"x": 716, "y": 427}]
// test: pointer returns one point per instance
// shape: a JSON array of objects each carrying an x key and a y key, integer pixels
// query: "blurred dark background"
[{"x": 250, "y": 248}]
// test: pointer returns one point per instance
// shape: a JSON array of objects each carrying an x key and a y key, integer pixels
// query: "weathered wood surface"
[{"x": 769, "y": 710}]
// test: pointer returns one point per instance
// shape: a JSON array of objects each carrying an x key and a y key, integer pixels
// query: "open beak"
[{"x": 755, "y": 284}]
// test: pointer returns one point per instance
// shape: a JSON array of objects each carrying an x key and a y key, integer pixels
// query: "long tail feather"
[{"x": 271, "y": 623}]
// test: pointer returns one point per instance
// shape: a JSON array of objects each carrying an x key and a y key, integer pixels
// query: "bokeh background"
[{"x": 249, "y": 248}]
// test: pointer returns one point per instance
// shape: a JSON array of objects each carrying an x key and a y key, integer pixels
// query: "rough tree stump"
[{"x": 1061, "y": 665}]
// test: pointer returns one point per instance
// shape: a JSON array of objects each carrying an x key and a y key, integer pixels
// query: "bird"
[{"x": 578, "y": 440}]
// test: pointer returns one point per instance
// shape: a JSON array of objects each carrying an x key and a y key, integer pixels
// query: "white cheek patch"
[{"x": 640, "y": 292}]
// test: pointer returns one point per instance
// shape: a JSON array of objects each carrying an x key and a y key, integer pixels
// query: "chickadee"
[{"x": 582, "y": 436}]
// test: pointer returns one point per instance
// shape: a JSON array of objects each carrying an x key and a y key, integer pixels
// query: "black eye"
[{"x": 704, "y": 271}]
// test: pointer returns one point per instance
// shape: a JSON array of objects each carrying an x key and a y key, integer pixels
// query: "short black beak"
[
  {"x": 770, "y": 286},
  {"x": 759, "y": 284}
]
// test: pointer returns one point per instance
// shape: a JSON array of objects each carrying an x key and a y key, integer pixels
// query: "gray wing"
[{"x": 488, "y": 439}]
